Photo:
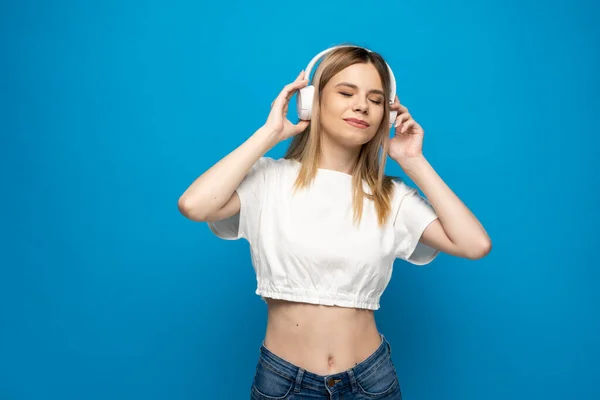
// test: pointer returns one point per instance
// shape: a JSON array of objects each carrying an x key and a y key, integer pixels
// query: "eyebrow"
[{"x": 353, "y": 86}]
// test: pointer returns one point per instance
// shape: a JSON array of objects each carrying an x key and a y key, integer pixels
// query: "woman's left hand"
[{"x": 407, "y": 142}]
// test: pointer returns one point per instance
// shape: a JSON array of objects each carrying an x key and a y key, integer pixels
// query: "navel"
[{"x": 331, "y": 361}]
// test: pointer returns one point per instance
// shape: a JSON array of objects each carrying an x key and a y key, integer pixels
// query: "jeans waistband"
[{"x": 320, "y": 382}]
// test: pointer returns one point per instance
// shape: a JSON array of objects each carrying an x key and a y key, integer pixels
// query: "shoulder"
[
  {"x": 281, "y": 167},
  {"x": 269, "y": 169},
  {"x": 272, "y": 163},
  {"x": 406, "y": 196},
  {"x": 399, "y": 188}
]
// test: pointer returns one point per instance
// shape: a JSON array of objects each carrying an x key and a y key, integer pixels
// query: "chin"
[{"x": 356, "y": 137}]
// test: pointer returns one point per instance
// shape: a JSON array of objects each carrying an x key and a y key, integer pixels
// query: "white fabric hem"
[
  {"x": 320, "y": 298},
  {"x": 419, "y": 253},
  {"x": 225, "y": 234}
]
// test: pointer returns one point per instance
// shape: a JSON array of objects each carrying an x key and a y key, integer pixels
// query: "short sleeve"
[
  {"x": 413, "y": 215},
  {"x": 250, "y": 191}
]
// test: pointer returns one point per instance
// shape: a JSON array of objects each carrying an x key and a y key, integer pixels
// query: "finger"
[
  {"x": 398, "y": 107},
  {"x": 289, "y": 90},
  {"x": 301, "y": 125},
  {"x": 398, "y": 121},
  {"x": 402, "y": 108},
  {"x": 402, "y": 118},
  {"x": 407, "y": 126}
]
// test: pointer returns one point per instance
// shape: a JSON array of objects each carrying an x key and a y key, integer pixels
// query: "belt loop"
[
  {"x": 353, "y": 383},
  {"x": 387, "y": 343},
  {"x": 298, "y": 384}
]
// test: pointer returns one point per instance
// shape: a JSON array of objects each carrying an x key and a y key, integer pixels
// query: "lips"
[{"x": 357, "y": 122}]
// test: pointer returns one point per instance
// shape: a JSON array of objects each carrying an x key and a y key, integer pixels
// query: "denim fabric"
[{"x": 374, "y": 378}]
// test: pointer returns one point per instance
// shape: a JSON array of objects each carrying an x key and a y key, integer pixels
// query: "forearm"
[
  {"x": 459, "y": 223},
  {"x": 211, "y": 190}
]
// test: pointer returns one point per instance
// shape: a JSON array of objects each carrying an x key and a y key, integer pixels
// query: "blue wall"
[{"x": 108, "y": 111}]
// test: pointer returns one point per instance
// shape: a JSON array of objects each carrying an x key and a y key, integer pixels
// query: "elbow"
[
  {"x": 191, "y": 211},
  {"x": 479, "y": 250}
]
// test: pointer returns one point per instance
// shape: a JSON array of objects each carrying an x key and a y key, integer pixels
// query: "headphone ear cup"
[
  {"x": 304, "y": 101},
  {"x": 393, "y": 115}
]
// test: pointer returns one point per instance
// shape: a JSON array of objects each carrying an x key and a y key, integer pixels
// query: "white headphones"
[{"x": 304, "y": 97}]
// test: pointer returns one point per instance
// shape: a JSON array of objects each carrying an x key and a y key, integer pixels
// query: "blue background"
[{"x": 109, "y": 110}]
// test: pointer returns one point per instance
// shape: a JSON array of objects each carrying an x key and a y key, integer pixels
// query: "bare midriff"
[{"x": 320, "y": 339}]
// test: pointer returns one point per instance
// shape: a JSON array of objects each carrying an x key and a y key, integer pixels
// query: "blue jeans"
[{"x": 374, "y": 378}]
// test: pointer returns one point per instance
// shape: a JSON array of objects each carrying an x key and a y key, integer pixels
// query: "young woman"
[{"x": 325, "y": 225}]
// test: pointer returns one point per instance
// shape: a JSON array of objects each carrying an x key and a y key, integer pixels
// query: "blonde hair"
[{"x": 306, "y": 146}]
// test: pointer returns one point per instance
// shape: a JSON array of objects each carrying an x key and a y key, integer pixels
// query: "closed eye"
[{"x": 345, "y": 94}]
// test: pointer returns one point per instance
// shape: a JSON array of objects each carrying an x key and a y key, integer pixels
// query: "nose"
[{"x": 360, "y": 105}]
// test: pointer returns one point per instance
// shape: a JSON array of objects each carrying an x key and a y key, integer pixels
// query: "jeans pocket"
[
  {"x": 380, "y": 381},
  {"x": 268, "y": 384}
]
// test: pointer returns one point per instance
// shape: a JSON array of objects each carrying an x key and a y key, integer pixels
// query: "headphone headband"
[{"x": 316, "y": 58}]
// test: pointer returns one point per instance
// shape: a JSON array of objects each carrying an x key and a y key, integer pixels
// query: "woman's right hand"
[{"x": 277, "y": 121}]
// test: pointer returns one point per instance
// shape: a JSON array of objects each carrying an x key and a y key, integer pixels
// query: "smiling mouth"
[{"x": 357, "y": 123}]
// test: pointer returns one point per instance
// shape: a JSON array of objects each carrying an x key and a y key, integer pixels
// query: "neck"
[{"x": 335, "y": 157}]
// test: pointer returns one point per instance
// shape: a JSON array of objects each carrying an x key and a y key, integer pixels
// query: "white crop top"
[{"x": 305, "y": 247}]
